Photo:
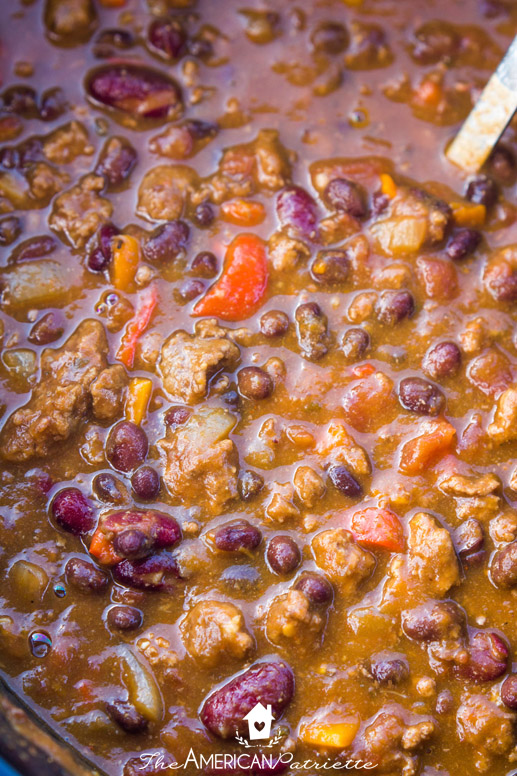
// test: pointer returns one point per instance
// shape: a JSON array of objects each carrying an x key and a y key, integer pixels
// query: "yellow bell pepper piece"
[
  {"x": 334, "y": 735},
  {"x": 126, "y": 256},
  {"x": 388, "y": 185},
  {"x": 468, "y": 214},
  {"x": 138, "y": 397}
]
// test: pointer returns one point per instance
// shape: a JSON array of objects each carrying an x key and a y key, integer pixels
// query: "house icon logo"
[{"x": 259, "y": 721}]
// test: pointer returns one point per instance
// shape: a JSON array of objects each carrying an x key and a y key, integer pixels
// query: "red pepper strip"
[
  {"x": 378, "y": 528},
  {"x": 136, "y": 327},
  {"x": 242, "y": 285}
]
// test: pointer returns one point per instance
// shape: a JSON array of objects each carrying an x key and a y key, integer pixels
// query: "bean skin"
[
  {"x": 316, "y": 588},
  {"x": 344, "y": 481},
  {"x": 330, "y": 268},
  {"x": 509, "y": 691},
  {"x": 126, "y": 446},
  {"x": 85, "y": 576},
  {"x": 389, "y": 668},
  {"x": 442, "y": 360},
  {"x": 254, "y": 383},
  {"x": 250, "y": 484},
  {"x": 108, "y": 488},
  {"x": 274, "y": 323},
  {"x": 48, "y": 329},
  {"x": 125, "y": 715},
  {"x": 420, "y": 396},
  {"x": 72, "y": 511},
  {"x": 503, "y": 568},
  {"x": 283, "y": 555},
  {"x": 347, "y": 196},
  {"x": 124, "y": 618},
  {"x": 395, "y": 306},
  {"x": 488, "y": 657},
  {"x": 482, "y": 191},
  {"x": 355, "y": 344},
  {"x": 237, "y": 536}
]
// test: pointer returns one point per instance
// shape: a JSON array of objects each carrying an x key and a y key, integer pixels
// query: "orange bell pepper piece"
[
  {"x": 102, "y": 549},
  {"x": 334, "y": 735},
  {"x": 136, "y": 327},
  {"x": 138, "y": 397},
  {"x": 242, "y": 212},
  {"x": 126, "y": 257},
  {"x": 388, "y": 185},
  {"x": 378, "y": 528}
]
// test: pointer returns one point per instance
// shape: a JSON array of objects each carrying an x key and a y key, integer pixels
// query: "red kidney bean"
[
  {"x": 250, "y": 484},
  {"x": 158, "y": 572},
  {"x": 254, "y": 383},
  {"x": 72, "y": 511},
  {"x": 463, "y": 244},
  {"x": 482, "y": 191},
  {"x": 146, "y": 483},
  {"x": 126, "y": 446},
  {"x": 224, "y": 710},
  {"x": 330, "y": 38},
  {"x": 503, "y": 568},
  {"x": 355, "y": 344},
  {"x": 488, "y": 657},
  {"x": 167, "y": 242},
  {"x": 394, "y": 306},
  {"x": 297, "y": 212},
  {"x": 347, "y": 196},
  {"x": 433, "y": 620},
  {"x": 316, "y": 587},
  {"x": 34, "y": 248},
  {"x": 283, "y": 554},
  {"x": 48, "y": 329},
  {"x": 509, "y": 691},
  {"x": 126, "y": 715},
  {"x": 330, "y": 267},
  {"x": 176, "y": 416},
  {"x": 344, "y": 481},
  {"x": 274, "y": 323},
  {"x": 85, "y": 576},
  {"x": 10, "y": 229},
  {"x": 418, "y": 395},
  {"x": 237, "y": 536},
  {"x": 442, "y": 360},
  {"x": 108, "y": 488},
  {"x": 168, "y": 38},
  {"x": 389, "y": 668},
  {"x": 116, "y": 162},
  {"x": 158, "y": 529},
  {"x": 135, "y": 90},
  {"x": 124, "y": 618}
]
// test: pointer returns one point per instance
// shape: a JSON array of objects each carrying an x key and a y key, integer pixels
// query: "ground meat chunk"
[
  {"x": 108, "y": 391},
  {"x": 286, "y": 252},
  {"x": 165, "y": 191},
  {"x": 290, "y": 617},
  {"x": 504, "y": 426},
  {"x": 346, "y": 563},
  {"x": 61, "y": 399},
  {"x": 66, "y": 143},
  {"x": 392, "y": 739},
  {"x": 79, "y": 211},
  {"x": 44, "y": 181},
  {"x": 273, "y": 168},
  {"x": 459, "y": 485},
  {"x": 431, "y": 556},
  {"x": 65, "y": 18},
  {"x": 309, "y": 485},
  {"x": 214, "y": 631},
  {"x": 201, "y": 463},
  {"x": 487, "y": 727},
  {"x": 189, "y": 361},
  {"x": 280, "y": 506}
]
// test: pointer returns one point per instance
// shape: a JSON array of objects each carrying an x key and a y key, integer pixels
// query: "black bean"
[
  {"x": 380, "y": 202},
  {"x": 124, "y": 618},
  {"x": 347, "y": 196},
  {"x": 488, "y": 657},
  {"x": 176, "y": 416},
  {"x": 355, "y": 344},
  {"x": 482, "y": 191},
  {"x": 167, "y": 242},
  {"x": 125, "y": 715},
  {"x": 254, "y": 383},
  {"x": 108, "y": 488},
  {"x": 204, "y": 215},
  {"x": 311, "y": 329},
  {"x": 232, "y": 399},
  {"x": 116, "y": 162},
  {"x": 190, "y": 289},
  {"x": 72, "y": 511},
  {"x": 283, "y": 554},
  {"x": 420, "y": 396},
  {"x": 201, "y": 130},
  {"x": 250, "y": 484},
  {"x": 117, "y": 37},
  {"x": 331, "y": 267},
  {"x": 442, "y": 360},
  {"x": 48, "y": 329},
  {"x": 97, "y": 261},
  {"x": 470, "y": 540},
  {"x": 237, "y": 536},
  {"x": 132, "y": 543},
  {"x": 274, "y": 323},
  {"x": 330, "y": 38},
  {"x": 394, "y": 306},
  {"x": 241, "y": 579},
  {"x": 503, "y": 165},
  {"x": 85, "y": 576},
  {"x": 159, "y": 572},
  {"x": 205, "y": 265},
  {"x": 126, "y": 446},
  {"x": 52, "y": 105},
  {"x": 146, "y": 483},
  {"x": 389, "y": 668},
  {"x": 509, "y": 691},
  {"x": 316, "y": 587},
  {"x": 344, "y": 481},
  {"x": 10, "y": 229},
  {"x": 435, "y": 40},
  {"x": 434, "y": 621},
  {"x": 34, "y": 248},
  {"x": 463, "y": 244},
  {"x": 503, "y": 568},
  {"x": 201, "y": 48}
]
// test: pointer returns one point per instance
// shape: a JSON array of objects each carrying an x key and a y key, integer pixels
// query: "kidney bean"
[
  {"x": 442, "y": 360},
  {"x": 274, "y": 323},
  {"x": 394, "y": 306},
  {"x": 48, "y": 329},
  {"x": 389, "y": 668},
  {"x": 311, "y": 329},
  {"x": 176, "y": 416},
  {"x": 433, "y": 620},
  {"x": 126, "y": 446},
  {"x": 488, "y": 657},
  {"x": 155, "y": 573},
  {"x": 509, "y": 691},
  {"x": 168, "y": 38},
  {"x": 283, "y": 554},
  {"x": 315, "y": 587},
  {"x": 10, "y": 229},
  {"x": 224, "y": 710},
  {"x": 344, "y": 481},
  {"x": 205, "y": 265},
  {"x": 116, "y": 162},
  {"x": 126, "y": 715},
  {"x": 190, "y": 289},
  {"x": 159, "y": 530},
  {"x": 250, "y": 484},
  {"x": 503, "y": 568},
  {"x": 420, "y": 396},
  {"x": 167, "y": 242},
  {"x": 52, "y": 104},
  {"x": 503, "y": 165},
  {"x": 297, "y": 212},
  {"x": 355, "y": 344},
  {"x": 330, "y": 267},
  {"x": 330, "y": 38},
  {"x": 72, "y": 511},
  {"x": 470, "y": 541},
  {"x": 124, "y": 618},
  {"x": 105, "y": 237},
  {"x": 135, "y": 90},
  {"x": 96, "y": 261},
  {"x": 85, "y": 576},
  {"x": 346, "y": 196},
  {"x": 132, "y": 543},
  {"x": 482, "y": 191},
  {"x": 380, "y": 203},
  {"x": 463, "y": 244},
  {"x": 146, "y": 483},
  {"x": 204, "y": 215},
  {"x": 22, "y": 100},
  {"x": 237, "y": 536},
  {"x": 108, "y": 488},
  {"x": 34, "y": 248},
  {"x": 254, "y": 383}
]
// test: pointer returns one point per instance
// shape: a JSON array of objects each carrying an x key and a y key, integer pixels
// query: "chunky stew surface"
[{"x": 258, "y": 381}]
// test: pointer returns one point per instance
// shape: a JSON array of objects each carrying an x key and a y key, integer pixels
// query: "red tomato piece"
[
  {"x": 378, "y": 528},
  {"x": 137, "y": 326}
]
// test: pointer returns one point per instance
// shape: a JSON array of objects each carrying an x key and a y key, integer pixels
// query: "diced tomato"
[
  {"x": 242, "y": 212},
  {"x": 241, "y": 288},
  {"x": 102, "y": 549},
  {"x": 136, "y": 327},
  {"x": 420, "y": 453},
  {"x": 378, "y": 528},
  {"x": 363, "y": 370}
]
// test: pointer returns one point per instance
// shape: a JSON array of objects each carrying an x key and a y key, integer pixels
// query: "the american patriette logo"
[{"x": 259, "y": 721}]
